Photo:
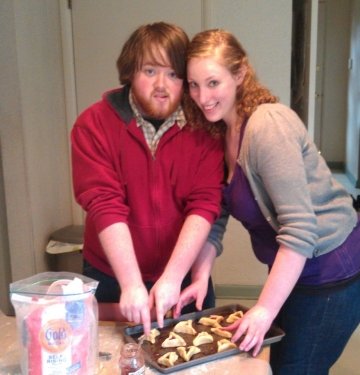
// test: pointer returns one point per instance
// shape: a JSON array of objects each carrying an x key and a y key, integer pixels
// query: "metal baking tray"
[{"x": 153, "y": 351}]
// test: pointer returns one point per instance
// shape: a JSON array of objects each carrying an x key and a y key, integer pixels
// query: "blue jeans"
[
  {"x": 318, "y": 325},
  {"x": 108, "y": 289}
]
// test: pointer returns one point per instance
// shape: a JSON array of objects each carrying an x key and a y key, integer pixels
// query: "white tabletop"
[{"x": 110, "y": 340}]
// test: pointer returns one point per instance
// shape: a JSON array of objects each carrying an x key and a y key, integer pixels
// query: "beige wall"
[
  {"x": 33, "y": 131},
  {"x": 264, "y": 29},
  {"x": 237, "y": 266},
  {"x": 335, "y": 83},
  {"x": 97, "y": 44}
]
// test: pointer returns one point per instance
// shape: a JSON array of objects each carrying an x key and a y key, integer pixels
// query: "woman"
[{"x": 300, "y": 220}]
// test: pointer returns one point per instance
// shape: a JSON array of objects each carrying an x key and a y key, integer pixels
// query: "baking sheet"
[{"x": 208, "y": 351}]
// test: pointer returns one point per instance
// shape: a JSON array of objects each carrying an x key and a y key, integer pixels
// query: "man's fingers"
[
  {"x": 160, "y": 316},
  {"x": 136, "y": 317},
  {"x": 145, "y": 319},
  {"x": 151, "y": 300}
]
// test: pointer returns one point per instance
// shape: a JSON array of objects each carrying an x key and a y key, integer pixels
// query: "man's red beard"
[{"x": 148, "y": 108}]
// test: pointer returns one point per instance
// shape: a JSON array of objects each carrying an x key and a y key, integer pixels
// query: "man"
[{"x": 149, "y": 183}]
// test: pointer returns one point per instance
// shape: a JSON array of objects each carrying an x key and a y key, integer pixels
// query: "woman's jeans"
[
  {"x": 108, "y": 289},
  {"x": 317, "y": 325}
]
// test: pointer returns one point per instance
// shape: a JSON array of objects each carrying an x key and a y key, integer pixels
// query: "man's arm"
[
  {"x": 118, "y": 247},
  {"x": 166, "y": 291}
]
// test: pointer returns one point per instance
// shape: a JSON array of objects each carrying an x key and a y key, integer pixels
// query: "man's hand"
[
  {"x": 134, "y": 300},
  {"x": 134, "y": 305},
  {"x": 163, "y": 296}
]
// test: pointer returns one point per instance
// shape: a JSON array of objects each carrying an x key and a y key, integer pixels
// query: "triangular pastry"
[
  {"x": 203, "y": 338},
  {"x": 211, "y": 321},
  {"x": 225, "y": 344},
  {"x": 151, "y": 337},
  {"x": 222, "y": 333},
  {"x": 185, "y": 326},
  {"x": 168, "y": 359},
  {"x": 173, "y": 341},
  {"x": 187, "y": 353},
  {"x": 234, "y": 316}
]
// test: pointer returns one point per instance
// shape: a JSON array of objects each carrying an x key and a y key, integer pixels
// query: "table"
[{"x": 110, "y": 340}]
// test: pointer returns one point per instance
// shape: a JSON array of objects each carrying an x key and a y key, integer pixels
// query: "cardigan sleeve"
[{"x": 218, "y": 230}]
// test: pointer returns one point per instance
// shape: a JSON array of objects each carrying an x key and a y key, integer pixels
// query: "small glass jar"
[{"x": 131, "y": 360}]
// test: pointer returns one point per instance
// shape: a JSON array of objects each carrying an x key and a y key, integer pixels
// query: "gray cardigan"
[{"x": 296, "y": 192}]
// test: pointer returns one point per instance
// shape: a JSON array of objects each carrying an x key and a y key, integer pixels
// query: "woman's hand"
[
  {"x": 279, "y": 284},
  {"x": 200, "y": 274},
  {"x": 196, "y": 291},
  {"x": 253, "y": 326}
]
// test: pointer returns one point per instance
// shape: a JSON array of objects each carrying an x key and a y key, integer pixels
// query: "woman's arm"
[
  {"x": 282, "y": 278},
  {"x": 200, "y": 273},
  {"x": 202, "y": 267}
]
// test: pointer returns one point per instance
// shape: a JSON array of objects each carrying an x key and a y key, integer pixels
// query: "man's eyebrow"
[{"x": 154, "y": 64}]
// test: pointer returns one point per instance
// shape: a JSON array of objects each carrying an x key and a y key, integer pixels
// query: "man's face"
[{"x": 156, "y": 88}]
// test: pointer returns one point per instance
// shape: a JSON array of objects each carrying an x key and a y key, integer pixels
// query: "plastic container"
[
  {"x": 57, "y": 322},
  {"x": 131, "y": 360}
]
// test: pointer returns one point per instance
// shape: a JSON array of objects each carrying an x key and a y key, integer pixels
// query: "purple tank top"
[{"x": 339, "y": 264}]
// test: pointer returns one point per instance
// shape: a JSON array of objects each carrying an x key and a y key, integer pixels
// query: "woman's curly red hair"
[{"x": 226, "y": 49}]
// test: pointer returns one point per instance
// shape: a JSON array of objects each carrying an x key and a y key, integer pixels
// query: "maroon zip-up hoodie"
[{"x": 117, "y": 179}]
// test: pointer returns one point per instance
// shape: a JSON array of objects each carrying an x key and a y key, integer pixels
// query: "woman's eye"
[
  {"x": 213, "y": 83},
  {"x": 192, "y": 85}
]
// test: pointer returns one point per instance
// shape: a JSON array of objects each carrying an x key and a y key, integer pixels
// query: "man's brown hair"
[{"x": 148, "y": 41}]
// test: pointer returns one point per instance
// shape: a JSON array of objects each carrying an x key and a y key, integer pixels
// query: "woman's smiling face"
[{"x": 213, "y": 88}]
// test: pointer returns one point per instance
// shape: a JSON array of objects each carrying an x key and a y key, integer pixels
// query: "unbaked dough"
[
  {"x": 168, "y": 359},
  {"x": 185, "y": 326},
  {"x": 173, "y": 341},
  {"x": 187, "y": 353},
  {"x": 203, "y": 338}
]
